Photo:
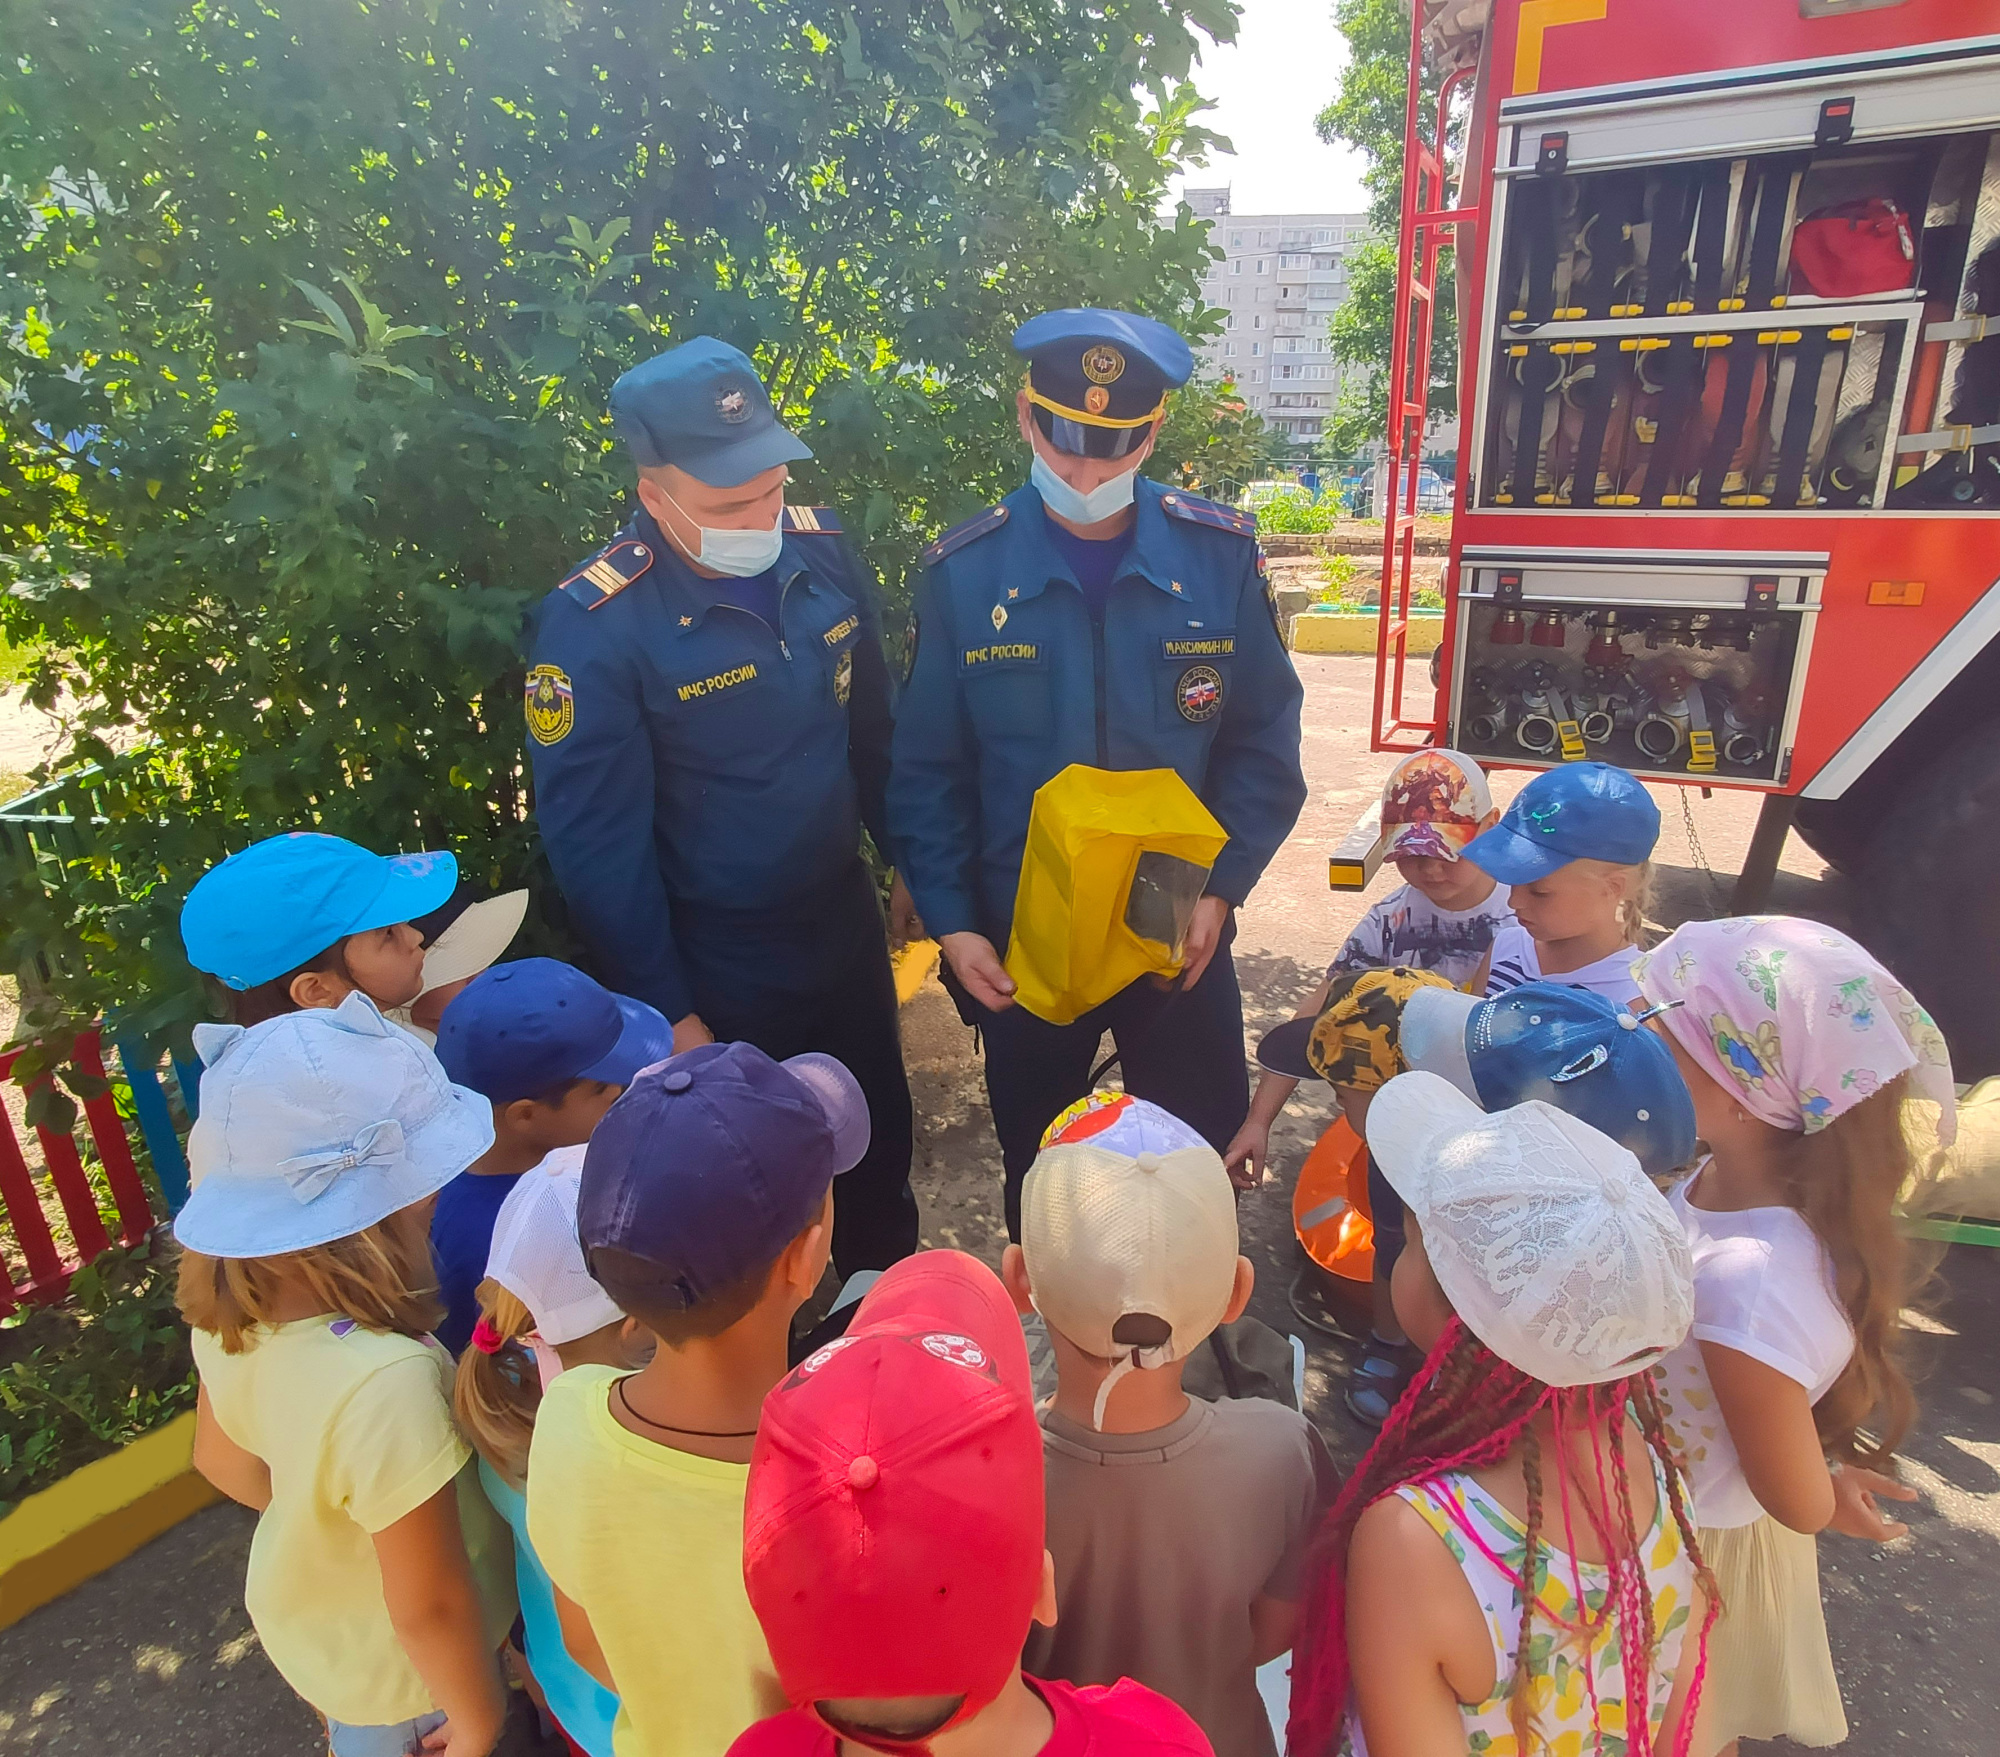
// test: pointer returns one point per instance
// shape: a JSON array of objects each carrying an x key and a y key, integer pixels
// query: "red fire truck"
[{"x": 1728, "y": 498}]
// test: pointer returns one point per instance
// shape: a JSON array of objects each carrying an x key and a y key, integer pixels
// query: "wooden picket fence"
[{"x": 51, "y": 1248}]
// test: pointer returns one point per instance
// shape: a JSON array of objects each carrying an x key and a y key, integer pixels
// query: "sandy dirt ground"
[{"x": 157, "y": 1655}]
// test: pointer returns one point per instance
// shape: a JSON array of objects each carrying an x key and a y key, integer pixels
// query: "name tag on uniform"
[
  {"x": 723, "y": 681},
  {"x": 1214, "y": 646},
  {"x": 1000, "y": 653},
  {"x": 841, "y": 630}
]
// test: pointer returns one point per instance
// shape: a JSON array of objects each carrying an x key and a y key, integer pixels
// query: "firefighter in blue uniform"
[
  {"x": 1100, "y": 618},
  {"x": 709, "y": 715}
]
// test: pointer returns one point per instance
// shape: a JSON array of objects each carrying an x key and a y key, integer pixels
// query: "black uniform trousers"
[
  {"x": 819, "y": 979},
  {"x": 1181, "y": 1049}
]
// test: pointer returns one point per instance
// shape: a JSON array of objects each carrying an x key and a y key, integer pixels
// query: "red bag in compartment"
[{"x": 1857, "y": 247}]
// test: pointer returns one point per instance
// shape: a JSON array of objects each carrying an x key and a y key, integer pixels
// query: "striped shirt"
[{"x": 1516, "y": 960}]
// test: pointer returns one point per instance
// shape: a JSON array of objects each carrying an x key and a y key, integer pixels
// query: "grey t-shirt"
[{"x": 1163, "y": 1540}]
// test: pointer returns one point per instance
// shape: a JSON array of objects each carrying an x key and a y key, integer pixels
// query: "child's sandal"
[{"x": 1379, "y": 1380}]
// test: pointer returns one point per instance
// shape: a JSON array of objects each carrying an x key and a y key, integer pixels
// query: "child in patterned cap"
[{"x": 1441, "y": 919}]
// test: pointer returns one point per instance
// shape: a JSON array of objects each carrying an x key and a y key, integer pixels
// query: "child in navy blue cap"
[
  {"x": 1575, "y": 846},
  {"x": 304, "y": 920},
  {"x": 550, "y": 1050},
  {"x": 706, "y": 1212}
]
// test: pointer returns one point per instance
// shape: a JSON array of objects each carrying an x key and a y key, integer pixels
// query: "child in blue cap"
[
  {"x": 704, "y": 1210},
  {"x": 551, "y": 1050},
  {"x": 304, "y": 920},
  {"x": 1575, "y": 847}
]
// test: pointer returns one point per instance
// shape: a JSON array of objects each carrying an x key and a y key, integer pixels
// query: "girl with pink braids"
[
  {"x": 1513, "y": 1567},
  {"x": 1787, "y": 1397}
]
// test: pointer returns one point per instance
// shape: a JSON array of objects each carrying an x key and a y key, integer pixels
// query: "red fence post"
[
  {"x": 25, "y": 1217},
  {"x": 79, "y": 1202},
  {"x": 114, "y": 1149}
]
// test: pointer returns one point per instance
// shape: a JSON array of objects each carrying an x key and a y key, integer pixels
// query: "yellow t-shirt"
[
  {"x": 649, "y": 1543},
  {"x": 356, "y": 1429}
]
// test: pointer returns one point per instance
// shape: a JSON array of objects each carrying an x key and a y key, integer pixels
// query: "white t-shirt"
[
  {"x": 1763, "y": 1285},
  {"x": 1516, "y": 960},
  {"x": 1406, "y": 927}
]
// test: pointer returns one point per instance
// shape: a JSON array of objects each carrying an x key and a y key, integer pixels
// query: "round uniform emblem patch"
[
  {"x": 1198, "y": 695},
  {"x": 843, "y": 678},
  {"x": 733, "y": 406},
  {"x": 551, "y": 704},
  {"x": 1103, "y": 364}
]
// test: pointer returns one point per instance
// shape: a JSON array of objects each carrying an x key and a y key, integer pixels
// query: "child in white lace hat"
[
  {"x": 378, "y": 1578},
  {"x": 1513, "y": 1565},
  {"x": 540, "y": 1313}
]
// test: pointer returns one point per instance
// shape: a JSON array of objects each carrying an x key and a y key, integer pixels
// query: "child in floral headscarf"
[{"x": 1800, "y": 1051}]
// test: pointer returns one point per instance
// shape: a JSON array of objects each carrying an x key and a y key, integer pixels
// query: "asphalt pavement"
[{"x": 157, "y": 1657}]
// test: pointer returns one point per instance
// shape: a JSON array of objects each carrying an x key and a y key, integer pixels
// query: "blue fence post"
[
  {"x": 156, "y": 1123},
  {"x": 187, "y": 1075}
]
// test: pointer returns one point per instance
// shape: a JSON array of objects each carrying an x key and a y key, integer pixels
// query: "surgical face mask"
[
  {"x": 741, "y": 555},
  {"x": 1073, "y": 504}
]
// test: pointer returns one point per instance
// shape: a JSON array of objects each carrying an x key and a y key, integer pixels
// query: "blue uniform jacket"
[
  {"x": 1012, "y": 683},
  {"x": 687, "y": 755}
]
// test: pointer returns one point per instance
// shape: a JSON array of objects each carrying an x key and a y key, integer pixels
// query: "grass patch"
[{"x": 81, "y": 1379}]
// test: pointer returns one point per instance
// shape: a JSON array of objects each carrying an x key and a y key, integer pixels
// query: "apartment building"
[{"x": 1279, "y": 280}]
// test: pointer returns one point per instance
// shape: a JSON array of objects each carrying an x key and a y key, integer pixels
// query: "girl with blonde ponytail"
[{"x": 539, "y": 1314}]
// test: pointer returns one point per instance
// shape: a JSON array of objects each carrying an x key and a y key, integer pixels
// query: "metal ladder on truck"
[{"x": 1420, "y": 244}]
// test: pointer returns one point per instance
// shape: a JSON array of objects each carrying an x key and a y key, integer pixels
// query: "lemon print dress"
[{"x": 1570, "y": 1717}]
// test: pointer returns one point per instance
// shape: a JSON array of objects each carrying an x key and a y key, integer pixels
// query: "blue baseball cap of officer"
[
  {"x": 711, "y": 455},
  {"x": 1096, "y": 393}
]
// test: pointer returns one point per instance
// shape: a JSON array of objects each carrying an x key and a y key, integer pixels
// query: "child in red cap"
[{"x": 893, "y": 1542}]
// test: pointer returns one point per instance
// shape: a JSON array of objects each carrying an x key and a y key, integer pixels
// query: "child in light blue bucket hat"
[{"x": 379, "y": 1579}]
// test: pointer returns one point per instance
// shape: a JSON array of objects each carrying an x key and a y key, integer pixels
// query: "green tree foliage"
[
  {"x": 1367, "y": 113},
  {"x": 1212, "y": 442},
  {"x": 312, "y": 307}
]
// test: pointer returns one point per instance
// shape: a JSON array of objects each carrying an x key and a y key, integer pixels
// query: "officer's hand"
[
  {"x": 1855, "y": 1513},
  {"x": 905, "y": 924},
  {"x": 1204, "y": 934},
  {"x": 691, "y": 1033},
  {"x": 978, "y": 968}
]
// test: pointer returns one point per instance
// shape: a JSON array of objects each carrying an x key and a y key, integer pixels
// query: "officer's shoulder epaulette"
[
  {"x": 961, "y": 534},
  {"x": 608, "y": 572},
  {"x": 1192, "y": 507},
  {"x": 811, "y": 521}
]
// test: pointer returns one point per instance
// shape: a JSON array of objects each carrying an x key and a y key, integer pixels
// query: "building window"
[
  {"x": 1257, "y": 320},
  {"x": 1265, "y": 238},
  {"x": 1257, "y": 375},
  {"x": 1325, "y": 235},
  {"x": 1229, "y": 348},
  {"x": 1294, "y": 262},
  {"x": 1236, "y": 267},
  {"x": 1230, "y": 321},
  {"x": 1256, "y": 348},
  {"x": 1263, "y": 265},
  {"x": 1236, "y": 240}
]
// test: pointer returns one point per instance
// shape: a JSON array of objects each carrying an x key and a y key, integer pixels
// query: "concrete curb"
[
  {"x": 98, "y": 1515},
  {"x": 1316, "y": 631},
  {"x": 912, "y": 963}
]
